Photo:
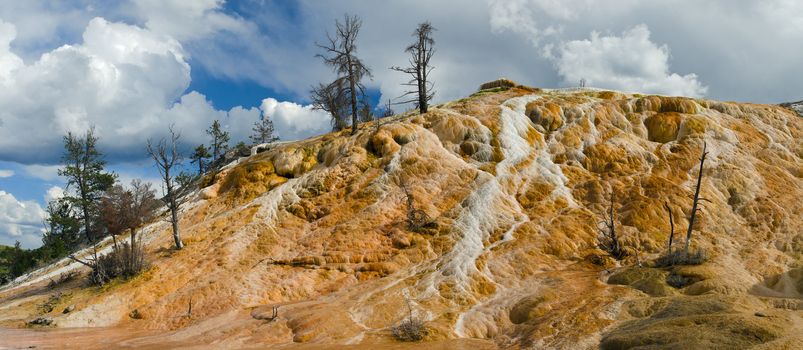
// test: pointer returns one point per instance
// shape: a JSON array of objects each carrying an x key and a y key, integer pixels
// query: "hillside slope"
[{"x": 514, "y": 182}]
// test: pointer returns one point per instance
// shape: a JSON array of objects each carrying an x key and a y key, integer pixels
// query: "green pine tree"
[
  {"x": 263, "y": 131},
  {"x": 220, "y": 140},
  {"x": 199, "y": 156},
  {"x": 84, "y": 169}
]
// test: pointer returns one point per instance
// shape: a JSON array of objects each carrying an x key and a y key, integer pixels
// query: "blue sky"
[{"x": 132, "y": 67}]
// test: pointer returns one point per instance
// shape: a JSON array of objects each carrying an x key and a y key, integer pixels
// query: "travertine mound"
[{"x": 512, "y": 182}]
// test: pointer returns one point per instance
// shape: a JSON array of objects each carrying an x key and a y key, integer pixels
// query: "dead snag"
[
  {"x": 696, "y": 201},
  {"x": 167, "y": 157},
  {"x": 671, "y": 226},
  {"x": 416, "y": 218},
  {"x": 340, "y": 53},
  {"x": 421, "y": 51},
  {"x": 609, "y": 241}
]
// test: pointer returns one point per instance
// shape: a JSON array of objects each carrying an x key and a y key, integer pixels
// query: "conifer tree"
[
  {"x": 263, "y": 131},
  {"x": 199, "y": 156},
  {"x": 63, "y": 228},
  {"x": 220, "y": 140},
  {"x": 86, "y": 177}
]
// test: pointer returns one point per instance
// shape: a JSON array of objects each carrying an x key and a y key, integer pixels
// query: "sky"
[{"x": 131, "y": 68}]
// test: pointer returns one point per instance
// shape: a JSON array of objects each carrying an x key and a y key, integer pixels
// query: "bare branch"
[
  {"x": 421, "y": 52},
  {"x": 166, "y": 157},
  {"x": 340, "y": 54},
  {"x": 72, "y": 257}
]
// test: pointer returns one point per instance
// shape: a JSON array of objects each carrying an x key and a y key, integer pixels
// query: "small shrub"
[
  {"x": 680, "y": 257},
  {"x": 242, "y": 150},
  {"x": 612, "y": 246},
  {"x": 596, "y": 260},
  {"x": 608, "y": 240},
  {"x": 51, "y": 302},
  {"x": 499, "y": 83},
  {"x": 410, "y": 329},
  {"x": 135, "y": 314},
  {"x": 416, "y": 218},
  {"x": 124, "y": 261}
]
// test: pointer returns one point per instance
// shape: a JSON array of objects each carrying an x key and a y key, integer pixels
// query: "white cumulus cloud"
[
  {"x": 126, "y": 81},
  {"x": 54, "y": 193},
  {"x": 292, "y": 119},
  {"x": 188, "y": 20},
  {"x": 630, "y": 62},
  {"x": 20, "y": 221}
]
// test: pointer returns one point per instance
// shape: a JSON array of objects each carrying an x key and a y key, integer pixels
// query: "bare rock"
[
  {"x": 210, "y": 192},
  {"x": 41, "y": 321}
]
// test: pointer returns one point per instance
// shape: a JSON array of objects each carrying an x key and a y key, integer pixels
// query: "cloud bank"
[
  {"x": 126, "y": 81},
  {"x": 20, "y": 221},
  {"x": 630, "y": 62}
]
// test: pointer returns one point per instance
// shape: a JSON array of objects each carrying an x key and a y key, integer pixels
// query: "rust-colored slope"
[{"x": 514, "y": 182}]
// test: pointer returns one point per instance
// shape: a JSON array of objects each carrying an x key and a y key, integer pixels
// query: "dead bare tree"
[
  {"x": 637, "y": 248},
  {"x": 411, "y": 328},
  {"x": 273, "y": 317},
  {"x": 332, "y": 99},
  {"x": 365, "y": 114},
  {"x": 115, "y": 213},
  {"x": 143, "y": 206},
  {"x": 694, "y": 208},
  {"x": 122, "y": 210},
  {"x": 340, "y": 54},
  {"x": 416, "y": 218},
  {"x": 609, "y": 241},
  {"x": 671, "y": 226},
  {"x": 388, "y": 112},
  {"x": 421, "y": 52},
  {"x": 167, "y": 157}
]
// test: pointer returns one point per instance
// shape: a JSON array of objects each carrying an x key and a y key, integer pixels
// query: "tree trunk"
[
  {"x": 421, "y": 70},
  {"x": 174, "y": 222},
  {"x": 84, "y": 206},
  {"x": 671, "y": 227},
  {"x": 114, "y": 241},
  {"x": 85, "y": 210},
  {"x": 422, "y": 92},
  {"x": 133, "y": 246},
  {"x": 352, "y": 88},
  {"x": 696, "y": 200},
  {"x": 173, "y": 206},
  {"x": 82, "y": 188}
]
